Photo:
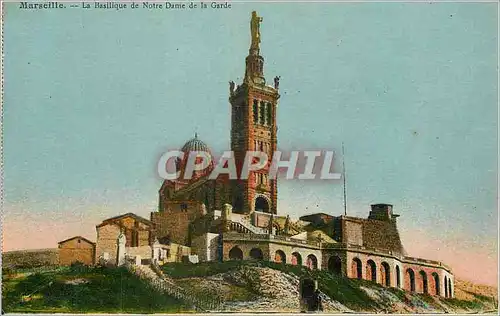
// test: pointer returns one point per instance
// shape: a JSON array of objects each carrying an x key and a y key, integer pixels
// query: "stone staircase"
[{"x": 247, "y": 226}]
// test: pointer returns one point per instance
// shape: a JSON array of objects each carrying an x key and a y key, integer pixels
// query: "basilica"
[{"x": 221, "y": 219}]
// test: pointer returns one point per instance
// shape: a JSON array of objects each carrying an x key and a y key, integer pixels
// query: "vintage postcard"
[{"x": 247, "y": 157}]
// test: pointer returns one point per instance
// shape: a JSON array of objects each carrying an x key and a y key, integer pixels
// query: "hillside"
[
  {"x": 30, "y": 258},
  {"x": 240, "y": 286},
  {"x": 466, "y": 290},
  {"x": 266, "y": 286},
  {"x": 82, "y": 289}
]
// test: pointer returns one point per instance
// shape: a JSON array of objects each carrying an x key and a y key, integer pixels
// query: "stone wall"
[
  {"x": 172, "y": 252},
  {"x": 353, "y": 232},
  {"x": 382, "y": 235},
  {"x": 435, "y": 278},
  {"x": 261, "y": 219},
  {"x": 107, "y": 237},
  {"x": 205, "y": 246},
  {"x": 271, "y": 248},
  {"x": 397, "y": 270},
  {"x": 370, "y": 233},
  {"x": 302, "y": 251},
  {"x": 175, "y": 221},
  {"x": 245, "y": 248},
  {"x": 145, "y": 252}
]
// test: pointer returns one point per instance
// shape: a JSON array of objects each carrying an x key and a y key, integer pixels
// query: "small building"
[
  {"x": 135, "y": 232},
  {"x": 76, "y": 249},
  {"x": 164, "y": 251}
]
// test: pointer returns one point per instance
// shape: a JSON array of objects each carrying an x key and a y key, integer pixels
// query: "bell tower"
[{"x": 253, "y": 128}]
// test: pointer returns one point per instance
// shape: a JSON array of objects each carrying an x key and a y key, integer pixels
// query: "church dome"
[{"x": 195, "y": 144}]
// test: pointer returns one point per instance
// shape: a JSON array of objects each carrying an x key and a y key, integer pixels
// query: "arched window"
[
  {"x": 279, "y": 257},
  {"x": 371, "y": 270},
  {"x": 238, "y": 202},
  {"x": 256, "y": 254},
  {"x": 410, "y": 280},
  {"x": 235, "y": 253},
  {"x": 261, "y": 204},
  {"x": 312, "y": 262},
  {"x": 357, "y": 268},
  {"x": 398, "y": 277},
  {"x": 385, "y": 274},
  {"x": 335, "y": 265},
  {"x": 437, "y": 290},
  {"x": 423, "y": 282},
  {"x": 296, "y": 259},
  {"x": 262, "y": 113},
  {"x": 269, "y": 114},
  {"x": 255, "y": 111}
]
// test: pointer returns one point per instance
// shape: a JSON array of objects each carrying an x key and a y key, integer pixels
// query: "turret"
[{"x": 382, "y": 212}]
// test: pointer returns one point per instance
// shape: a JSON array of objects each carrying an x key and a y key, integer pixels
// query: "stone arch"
[
  {"x": 437, "y": 290},
  {"x": 296, "y": 259},
  {"x": 235, "y": 253},
  {"x": 262, "y": 204},
  {"x": 307, "y": 289},
  {"x": 398, "y": 277},
  {"x": 371, "y": 270},
  {"x": 423, "y": 282},
  {"x": 335, "y": 265},
  {"x": 410, "y": 280},
  {"x": 445, "y": 286},
  {"x": 385, "y": 274},
  {"x": 312, "y": 262},
  {"x": 256, "y": 254},
  {"x": 357, "y": 268},
  {"x": 279, "y": 257}
]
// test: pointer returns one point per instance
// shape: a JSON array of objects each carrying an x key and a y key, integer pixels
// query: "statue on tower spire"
[
  {"x": 254, "y": 71},
  {"x": 255, "y": 31}
]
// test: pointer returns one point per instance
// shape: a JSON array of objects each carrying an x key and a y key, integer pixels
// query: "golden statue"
[{"x": 255, "y": 30}]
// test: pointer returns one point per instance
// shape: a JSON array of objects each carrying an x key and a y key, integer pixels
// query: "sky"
[{"x": 94, "y": 97}]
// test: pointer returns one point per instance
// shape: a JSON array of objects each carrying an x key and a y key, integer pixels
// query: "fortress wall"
[
  {"x": 378, "y": 260},
  {"x": 420, "y": 272},
  {"x": 423, "y": 271},
  {"x": 382, "y": 235},
  {"x": 370, "y": 233},
  {"x": 353, "y": 232}
]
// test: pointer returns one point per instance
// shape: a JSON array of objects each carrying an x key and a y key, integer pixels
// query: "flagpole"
[{"x": 343, "y": 176}]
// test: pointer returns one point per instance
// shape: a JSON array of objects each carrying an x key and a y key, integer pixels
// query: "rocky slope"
[{"x": 264, "y": 289}]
